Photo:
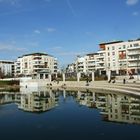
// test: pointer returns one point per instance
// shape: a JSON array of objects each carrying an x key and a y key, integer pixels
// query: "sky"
[{"x": 65, "y": 28}]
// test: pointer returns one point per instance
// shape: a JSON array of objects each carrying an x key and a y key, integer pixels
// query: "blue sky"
[{"x": 65, "y": 28}]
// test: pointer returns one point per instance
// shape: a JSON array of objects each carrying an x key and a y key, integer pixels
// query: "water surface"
[{"x": 53, "y": 115}]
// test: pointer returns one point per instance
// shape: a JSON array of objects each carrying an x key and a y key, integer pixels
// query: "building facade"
[
  {"x": 32, "y": 64},
  {"x": 116, "y": 57},
  {"x": 6, "y": 68},
  {"x": 122, "y": 57}
]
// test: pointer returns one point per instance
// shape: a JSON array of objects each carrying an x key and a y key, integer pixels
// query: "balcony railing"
[
  {"x": 134, "y": 59},
  {"x": 133, "y": 48}
]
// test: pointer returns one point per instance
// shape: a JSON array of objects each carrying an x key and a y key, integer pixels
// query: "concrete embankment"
[{"x": 102, "y": 86}]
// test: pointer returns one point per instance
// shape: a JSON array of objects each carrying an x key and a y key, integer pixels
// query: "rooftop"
[
  {"x": 6, "y": 61},
  {"x": 92, "y": 54},
  {"x": 111, "y": 42},
  {"x": 35, "y": 54}
]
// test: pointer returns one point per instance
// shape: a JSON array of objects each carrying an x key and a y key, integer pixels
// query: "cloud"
[
  {"x": 33, "y": 44},
  {"x": 71, "y": 7},
  {"x": 132, "y": 2},
  {"x": 56, "y": 48},
  {"x": 51, "y": 30},
  {"x": 135, "y": 13},
  {"x": 11, "y": 48},
  {"x": 71, "y": 53},
  {"x": 37, "y": 31}
]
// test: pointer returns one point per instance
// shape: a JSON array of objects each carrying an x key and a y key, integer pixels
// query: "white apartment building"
[
  {"x": 81, "y": 64},
  {"x": 122, "y": 57},
  {"x": 91, "y": 62},
  {"x": 6, "y": 68},
  {"x": 117, "y": 57},
  {"x": 71, "y": 68},
  {"x": 32, "y": 64}
]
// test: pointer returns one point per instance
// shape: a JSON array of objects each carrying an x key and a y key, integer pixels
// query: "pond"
[{"x": 61, "y": 114}]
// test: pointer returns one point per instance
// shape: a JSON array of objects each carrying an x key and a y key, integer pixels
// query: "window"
[
  {"x": 26, "y": 65},
  {"x": 113, "y": 47},
  {"x": 113, "y": 53},
  {"x": 122, "y": 54}
]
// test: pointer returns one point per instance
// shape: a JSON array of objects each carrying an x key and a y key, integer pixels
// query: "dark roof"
[
  {"x": 92, "y": 54},
  {"x": 35, "y": 54},
  {"x": 6, "y": 61},
  {"x": 111, "y": 42}
]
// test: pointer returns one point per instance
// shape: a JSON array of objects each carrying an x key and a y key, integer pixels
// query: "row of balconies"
[{"x": 133, "y": 48}]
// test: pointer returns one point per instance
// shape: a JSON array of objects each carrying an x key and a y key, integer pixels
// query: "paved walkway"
[{"x": 128, "y": 88}]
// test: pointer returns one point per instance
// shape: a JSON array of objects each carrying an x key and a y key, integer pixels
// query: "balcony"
[
  {"x": 38, "y": 64},
  {"x": 91, "y": 64},
  {"x": 134, "y": 53},
  {"x": 100, "y": 56},
  {"x": 133, "y": 65},
  {"x": 80, "y": 65},
  {"x": 134, "y": 59},
  {"x": 100, "y": 62},
  {"x": 134, "y": 48},
  {"x": 91, "y": 60},
  {"x": 100, "y": 67},
  {"x": 80, "y": 68}
]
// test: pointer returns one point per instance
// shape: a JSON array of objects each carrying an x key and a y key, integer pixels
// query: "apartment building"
[
  {"x": 6, "y": 68},
  {"x": 116, "y": 57},
  {"x": 32, "y": 64},
  {"x": 90, "y": 63},
  {"x": 122, "y": 57},
  {"x": 71, "y": 68},
  {"x": 81, "y": 64}
]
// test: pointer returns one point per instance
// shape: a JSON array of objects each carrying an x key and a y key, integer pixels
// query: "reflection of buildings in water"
[
  {"x": 6, "y": 98},
  {"x": 86, "y": 98},
  {"x": 37, "y": 101},
  {"x": 114, "y": 107},
  {"x": 121, "y": 108}
]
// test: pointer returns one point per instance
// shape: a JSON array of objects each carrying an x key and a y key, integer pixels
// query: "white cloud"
[
  {"x": 132, "y": 2},
  {"x": 11, "y": 48},
  {"x": 37, "y": 31},
  {"x": 71, "y": 53},
  {"x": 71, "y": 7},
  {"x": 33, "y": 44},
  {"x": 135, "y": 13},
  {"x": 56, "y": 48},
  {"x": 51, "y": 29}
]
